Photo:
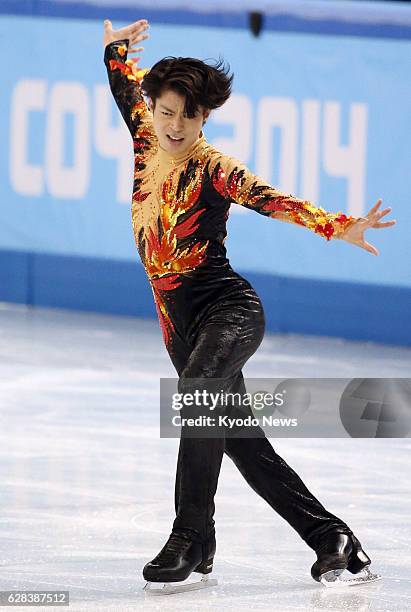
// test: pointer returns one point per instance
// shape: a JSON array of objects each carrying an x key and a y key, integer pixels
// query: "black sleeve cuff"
[{"x": 111, "y": 51}]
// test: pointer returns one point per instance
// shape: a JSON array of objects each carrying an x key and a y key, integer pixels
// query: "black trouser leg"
[
  {"x": 220, "y": 352},
  {"x": 276, "y": 482}
]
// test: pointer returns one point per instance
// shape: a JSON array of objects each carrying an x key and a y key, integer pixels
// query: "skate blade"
[
  {"x": 169, "y": 588},
  {"x": 332, "y": 579}
]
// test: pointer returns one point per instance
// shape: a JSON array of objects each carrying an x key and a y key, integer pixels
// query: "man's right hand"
[{"x": 134, "y": 32}]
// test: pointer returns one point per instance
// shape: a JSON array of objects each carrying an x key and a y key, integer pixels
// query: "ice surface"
[{"x": 86, "y": 484}]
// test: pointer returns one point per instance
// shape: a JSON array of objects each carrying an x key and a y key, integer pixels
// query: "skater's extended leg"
[{"x": 275, "y": 481}]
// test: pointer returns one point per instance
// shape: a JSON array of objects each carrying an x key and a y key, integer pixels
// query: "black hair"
[{"x": 199, "y": 83}]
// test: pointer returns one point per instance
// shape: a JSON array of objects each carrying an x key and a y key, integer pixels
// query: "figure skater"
[{"x": 211, "y": 318}]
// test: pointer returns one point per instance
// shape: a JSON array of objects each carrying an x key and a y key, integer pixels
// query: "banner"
[{"x": 325, "y": 118}]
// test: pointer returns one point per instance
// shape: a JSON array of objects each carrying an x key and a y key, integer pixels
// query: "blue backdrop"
[{"x": 325, "y": 117}]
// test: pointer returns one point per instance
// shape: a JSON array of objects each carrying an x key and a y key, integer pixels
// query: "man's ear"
[
  {"x": 206, "y": 115},
  {"x": 150, "y": 104}
]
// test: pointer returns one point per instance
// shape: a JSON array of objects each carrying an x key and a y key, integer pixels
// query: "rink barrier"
[
  {"x": 354, "y": 311},
  {"x": 374, "y": 22}
]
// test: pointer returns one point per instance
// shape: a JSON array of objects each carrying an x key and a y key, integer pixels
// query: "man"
[{"x": 211, "y": 318}]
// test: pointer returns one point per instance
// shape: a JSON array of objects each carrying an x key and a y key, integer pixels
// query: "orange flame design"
[
  {"x": 129, "y": 69},
  {"x": 165, "y": 262}
]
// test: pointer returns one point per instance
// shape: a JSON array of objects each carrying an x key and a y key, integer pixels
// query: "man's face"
[{"x": 174, "y": 130}]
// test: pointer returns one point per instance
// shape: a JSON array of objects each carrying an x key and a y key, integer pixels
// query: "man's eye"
[{"x": 164, "y": 113}]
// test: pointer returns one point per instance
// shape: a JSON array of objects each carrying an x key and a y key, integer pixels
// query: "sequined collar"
[{"x": 178, "y": 158}]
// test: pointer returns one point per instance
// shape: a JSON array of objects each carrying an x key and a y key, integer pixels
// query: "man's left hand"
[{"x": 355, "y": 233}]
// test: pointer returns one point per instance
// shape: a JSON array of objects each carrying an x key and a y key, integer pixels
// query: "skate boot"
[
  {"x": 181, "y": 556},
  {"x": 341, "y": 552}
]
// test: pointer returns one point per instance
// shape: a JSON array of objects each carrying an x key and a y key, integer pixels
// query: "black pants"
[{"x": 228, "y": 337}]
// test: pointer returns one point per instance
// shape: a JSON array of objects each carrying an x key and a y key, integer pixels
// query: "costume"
[{"x": 211, "y": 318}]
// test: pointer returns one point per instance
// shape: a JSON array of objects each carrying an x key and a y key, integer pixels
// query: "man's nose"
[{"x": 177, "y": 123}]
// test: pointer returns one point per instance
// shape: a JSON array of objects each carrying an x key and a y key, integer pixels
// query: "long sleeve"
[
  {"x": 124, "y": 79},
  {"x": 234, "y": 181}
]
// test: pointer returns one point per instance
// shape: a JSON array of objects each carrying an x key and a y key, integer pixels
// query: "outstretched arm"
[
  {"x": 123, "y": 74},
  {"x": 232, "y": 179}
]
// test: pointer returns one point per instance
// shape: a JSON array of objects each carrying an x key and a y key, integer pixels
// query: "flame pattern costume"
[{"x": 211, "y": 318}]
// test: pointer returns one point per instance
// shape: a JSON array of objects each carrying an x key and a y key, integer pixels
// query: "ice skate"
[
  {"x": 170, "y": 571},
  {"x": 341, "y": 552}
]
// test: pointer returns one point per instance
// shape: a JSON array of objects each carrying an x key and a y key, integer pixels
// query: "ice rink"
[{"x": 87, "y": 485}]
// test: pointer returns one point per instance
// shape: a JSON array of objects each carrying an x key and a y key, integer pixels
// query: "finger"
[
  {"x": 385, "y": 224},
  {"x": 139, "y": 50},
  {"x": 136, "y": 27},
  {"x": 376, "y": 207},
  {"x": 384, "y": 212},
  {"x": 134, "y": 40},
  {"x": 375, "y": 213},
  {"x": 108, "y": 25},
  {"x": 135, "y": 34},
  {"x": 370, "y": 248},
  {"x": 373, "y": 210},
  {"x": 139, "y": 26},
  {"x": 139, "y": 38}
]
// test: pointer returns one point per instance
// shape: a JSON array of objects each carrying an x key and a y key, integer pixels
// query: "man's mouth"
[{"x": 174, "y": 139}]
